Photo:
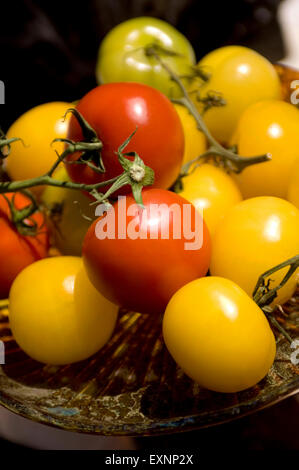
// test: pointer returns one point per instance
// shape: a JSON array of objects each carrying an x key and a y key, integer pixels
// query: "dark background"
[
  {"x": 49, "y": 49},
  {"x": 48, "y": 52}
]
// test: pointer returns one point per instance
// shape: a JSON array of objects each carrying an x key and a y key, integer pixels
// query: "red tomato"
[
  {"x": 18, "y": 251},
  {"x": 142, "y": 274},
  {"x": 114, "y": 111}
]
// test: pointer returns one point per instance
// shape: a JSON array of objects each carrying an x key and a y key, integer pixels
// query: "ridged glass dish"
[{"x": 132, "y": 386}]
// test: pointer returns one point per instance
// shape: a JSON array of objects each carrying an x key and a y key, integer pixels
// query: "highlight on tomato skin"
[
  {"x": 115, "y": 111},
  {"x": 141, "y": 270}
]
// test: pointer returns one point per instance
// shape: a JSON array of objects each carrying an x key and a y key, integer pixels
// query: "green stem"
[
  {"x": 237, "y": 163},
  {"x": 263, "y": 295},
  {"x": 14, "y": 186}
]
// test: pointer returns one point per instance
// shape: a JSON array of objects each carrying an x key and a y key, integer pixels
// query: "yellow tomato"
[
  {"x": 293, "y": 187},
  {"x": 268, "y": 127},
  {"x": 67, "y": 210},
  {"x": 212, "y": 191},
  {"x": 242, "y": 77},
  {"x": 56, "y": 315},
  {"x": 195, "y": 141},
  {"x": 37, "y": 127},
  {"x": 256, "y": 235},
  {"x": 218, "y": 335}
]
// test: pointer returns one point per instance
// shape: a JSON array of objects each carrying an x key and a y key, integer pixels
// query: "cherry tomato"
[
  {"x": 148, "y": 254},
  {"x": 195, "y": 141},
  {"x": 242, "y": 77},
  {"x": 114, "y": 111},
  {"x": 38, "y": 127},
  {"x": 256, "y": 235},
  {"x": 218, "y": 335},
  {"x": 122, "y": 57},
  {"x": 212, "y": 191},
  {"x": 293, "y": 186},
  {"x": 268, "y": 127},
  {"x": 56, "y": 316},
  {"x": 18, "y": 251},
  {"x": 70, "y": 214}
]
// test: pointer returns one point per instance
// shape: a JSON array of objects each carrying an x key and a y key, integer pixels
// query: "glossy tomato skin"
[
  {"x": 256, "y": 235},
  {"x": 143, "y": 274},
  {"x": 268, "y": 127},
  {"x": 122, "y": 57},
  {"x": 115, "y": 111},
  {"x": 38, "y": 127},
  {"x": 218, "y": 335},
  {"x": 56, "y": 316},
  {"x": 242, "y": 77},
  {"x": 18, "y": 251},
  {"x": 213, "y": 192}
]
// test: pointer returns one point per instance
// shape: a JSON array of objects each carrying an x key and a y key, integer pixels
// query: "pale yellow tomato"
[
  {"x": 38, "y": 127},
  {"x": 293, "y": 186},
  {"x": 268, "y": 127},
  {"x": 218, "y": 335},
  {"x": 256, "y": 235},
  {"x": 212, "y": 191},
  {"x": 195, "y": 141},
  {"x": 70, "y": 212},
  {"x": 242, "y": 77},
  {"x": 56, "y": 315}
]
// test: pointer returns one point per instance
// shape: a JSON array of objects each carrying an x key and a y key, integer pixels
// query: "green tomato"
[
  {"x": 70, "y": 212},
  {"x": 122, "y": 56}
]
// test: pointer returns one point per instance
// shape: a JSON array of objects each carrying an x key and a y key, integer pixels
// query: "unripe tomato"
[
  {"x": 19, "y": 250},
  {"x": 38, "y": 127},
  {"x": 122, "y": 56},
  {"x": 195, "y": 141},
  {"x": 56, "y": 316},
  {"x": 268, "y": 127},
  {"x": 115, "y": 111},
  {"x": 138, "y": 258},
  {"x": 256, "y": 235},
  {"x": 70, "y": 213},
  {"x": 242, "y": 77},
  {"x": 218, "y": 335},
  {"x": 293, "y": 186},
  {"x": 212, "y": 191}
]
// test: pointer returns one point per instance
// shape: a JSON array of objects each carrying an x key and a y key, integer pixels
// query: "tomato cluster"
[{"x": 150, "y": 250}]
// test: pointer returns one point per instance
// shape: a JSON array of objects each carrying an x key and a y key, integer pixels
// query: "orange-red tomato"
[
  {"x": 114, "y": 111},
  {"x": 16, "y": 250},
  {"x": 148, "y": 255}
]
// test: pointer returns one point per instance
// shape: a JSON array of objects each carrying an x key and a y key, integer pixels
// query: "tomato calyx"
[
  {"x": 136, "y": 174},
  {"x": 263, "y": 295},
  {"x": 90, "y": 146}
]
